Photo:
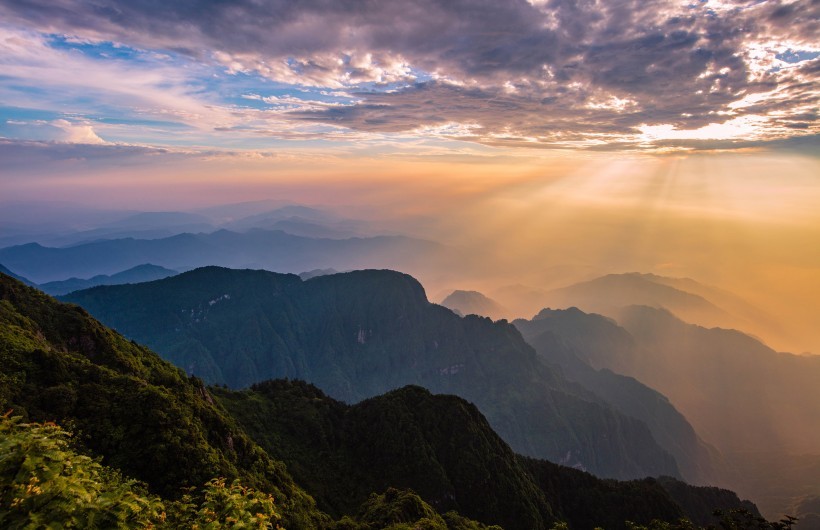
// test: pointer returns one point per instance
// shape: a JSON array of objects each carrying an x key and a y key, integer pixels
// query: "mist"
[{"x": 517, "y": 227}]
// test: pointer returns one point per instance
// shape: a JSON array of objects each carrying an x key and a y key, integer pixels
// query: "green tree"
[{"x": 44, "y": 483}]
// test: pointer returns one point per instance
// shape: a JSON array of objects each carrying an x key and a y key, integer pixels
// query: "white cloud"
[
  {"x": 77, "y": 133},
  {"x": 745, "y": 128}
]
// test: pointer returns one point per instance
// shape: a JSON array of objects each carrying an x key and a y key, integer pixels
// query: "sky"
[{"x": 679, "y": 138}]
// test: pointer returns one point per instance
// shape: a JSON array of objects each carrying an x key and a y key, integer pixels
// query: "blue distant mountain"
[
  {"x": 260, "y": 249},
  {"x": 141, "y": 273},
  {"x": 17, "y": 277}
]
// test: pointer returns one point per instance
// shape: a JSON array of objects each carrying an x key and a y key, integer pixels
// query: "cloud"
[
  {"x": 552, "y": 72},
  {"x": 44, "y": 76},
  {"x": 77, "y": 133},
  {"x": 22, "y": 154}
]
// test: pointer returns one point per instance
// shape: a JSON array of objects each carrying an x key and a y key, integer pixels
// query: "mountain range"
[
  {"x": 275, "y": 250},
  {"x": 359, "y": 334},
  {"x": 147, "y": 419},
  {"x": 758, "y": 407},
  {"x": 66, "y": 224},
  {"x": 138, "y": 274},
  {"x": 559, "y": 337},
  {"x": 686, "y": 298}
]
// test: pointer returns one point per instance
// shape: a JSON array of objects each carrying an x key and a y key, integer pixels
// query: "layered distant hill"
[
  {"x": 301, "y": 221},
  {"x": 723, "y": 381},
  {"x": 4, "y": 270},
  {"x": 564, "y": 337},
  {"x": 757, "y": 406},
  {"x": 359, "y": 334},
  {"x": 607, "y": 294},
  {"x": 688, "y": 299},
  {"x": 147, "y": 419},
  {"x": 138, "y": 274},
  {"x": 55, "y": 224},
  {"x": 274, "y": 250},
  {"x": 473, "y": 303}
]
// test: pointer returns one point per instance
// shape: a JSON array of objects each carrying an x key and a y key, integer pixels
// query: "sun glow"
[{"x": 743, "y": 127}]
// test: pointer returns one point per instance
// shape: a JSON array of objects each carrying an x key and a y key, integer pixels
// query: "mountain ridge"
[
  {"x": 273, "y": 250},
  {"x": 360, "y": 334},
  {"x": 145, "y": 418},
  {"x": 141, "y": 273}
]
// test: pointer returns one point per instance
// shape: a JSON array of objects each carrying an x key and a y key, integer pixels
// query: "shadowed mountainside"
[
  {"x": 139, "y": 413},
  {"x": 443, "y": 448},
  {"x": 356, "y": 335}
]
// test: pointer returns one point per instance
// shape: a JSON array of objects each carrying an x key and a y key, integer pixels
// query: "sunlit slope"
[
  {"x": 688, "y": 299},
  {"x": 566, "y": 339}
]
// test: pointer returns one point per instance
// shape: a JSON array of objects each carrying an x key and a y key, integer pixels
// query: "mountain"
[
  {"x": 442, "y": 448},
  {"x": 7, "y": 272},
  {"x": 359, "y": 334},
  {"x": 139, "y": 413},
  {"x": 273, "y": 250},
  {"x": 301, "y": 221},
  {"x": 473, "y": 303},
  {"x": 317, "y": 272},
  {"x": 221, "y": 214},
  {"x": 138, "y": 274},
  {"x": 608, "y": 294},
  {"x": 47, "y": 221},
  {"x": 146, "y": 419},
  {"x": 142, "y": 225},
  {"x": 161, "y": 220},
  {"x": 686, "y": 298},
  {"x": 757, "y": 406},
  {"x": 724, "y": 380},
  {"x": 571, "y": 339}
]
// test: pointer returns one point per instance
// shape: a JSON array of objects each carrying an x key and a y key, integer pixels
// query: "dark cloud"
[
  {"x": 556, "y": 70},
  {"x": 490, "y": 110},
  {"x": 23, "y": 155},
  {"x": 805, "y": 145}
]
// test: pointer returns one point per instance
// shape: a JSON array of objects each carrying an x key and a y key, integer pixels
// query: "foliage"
[
  {"x": 704, "y": 505},
  {"x": 224, "y": 506},
  {"x": 399, "y": 509},
  {"x": 733, "y": 519},
  {"x": 585, "y": 501},
  {"x": 45, "y": 483},
  {"x": 404, "y": 510}
]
